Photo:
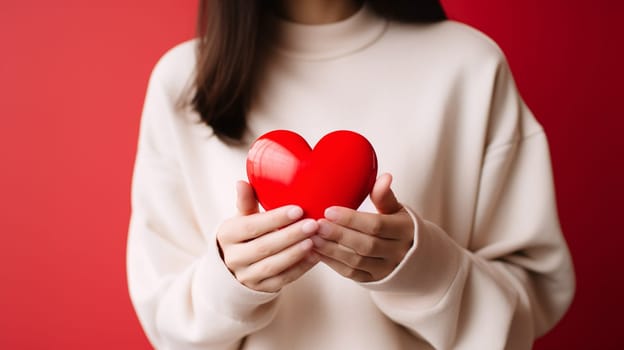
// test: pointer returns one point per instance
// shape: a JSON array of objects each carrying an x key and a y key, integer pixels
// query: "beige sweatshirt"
[{"x": 489, "y": 268}]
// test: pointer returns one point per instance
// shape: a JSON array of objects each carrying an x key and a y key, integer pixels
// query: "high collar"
[{"x": 326, "y": 41}]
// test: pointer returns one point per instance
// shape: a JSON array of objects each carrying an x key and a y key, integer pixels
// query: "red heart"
[{"x": 283, "y": 169}]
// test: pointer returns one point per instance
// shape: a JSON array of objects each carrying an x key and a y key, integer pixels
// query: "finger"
[
  {"x": 275, "y": 283},
  {"x": 347, "y": 271},
  {"x": 274, "y": 264},
  {"x": 382, "y": 196},
  {"x": 245, "y": 199},
  {"x": 247, "y": 253},
  {"x": 380, "y": 225},
  {"x": 361, "y": 243},
  {"x": 244, "y": 228},
  {"x": 347, "y": 256}
]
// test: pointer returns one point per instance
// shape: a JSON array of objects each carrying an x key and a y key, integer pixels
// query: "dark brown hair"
[{"x": 229, "y": 51}]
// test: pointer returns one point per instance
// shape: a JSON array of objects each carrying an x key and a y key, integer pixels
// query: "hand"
[
  {"x": 266, "y": 251},
  {"x": 362, "y": 246}
]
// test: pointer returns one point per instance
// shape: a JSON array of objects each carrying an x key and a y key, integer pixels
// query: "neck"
[{"x": 316, "y": 11}]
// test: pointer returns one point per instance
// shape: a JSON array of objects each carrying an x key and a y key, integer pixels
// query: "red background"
[{"x": 72, "y": 82}]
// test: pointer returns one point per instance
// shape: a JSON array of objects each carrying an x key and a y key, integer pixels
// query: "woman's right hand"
[{"x": 266, "y": 251}]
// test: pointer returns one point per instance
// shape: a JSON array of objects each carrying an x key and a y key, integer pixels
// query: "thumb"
[
  {"x": 245, "y": 199},
  {"x": 382, "y": 196}
]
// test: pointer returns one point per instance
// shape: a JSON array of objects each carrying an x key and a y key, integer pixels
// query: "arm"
[
  {"x": 512, "y": 282},
  {"x": 183, "y": 293},
  {"x": 510, "y": 285}
]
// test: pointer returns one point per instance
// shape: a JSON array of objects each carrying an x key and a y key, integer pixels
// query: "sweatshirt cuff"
[
  {"x": 216, "y": 288},
  {"x": 429, "y": 266}
]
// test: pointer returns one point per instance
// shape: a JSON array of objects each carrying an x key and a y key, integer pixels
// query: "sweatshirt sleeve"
[
  {"x": 182, "y": 292},
  {"x": 514, "y": 279}
]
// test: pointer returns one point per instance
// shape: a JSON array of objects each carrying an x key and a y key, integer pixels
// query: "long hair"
[{"x": 229, "y": 51}]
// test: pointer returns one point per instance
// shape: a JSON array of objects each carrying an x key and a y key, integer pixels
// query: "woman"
[{"x": 464, "y": 251}]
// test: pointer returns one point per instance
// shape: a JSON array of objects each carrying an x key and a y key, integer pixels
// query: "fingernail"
[
  {"x": 294, "y": 213},
  {"x": 323, "y": 229},
  {"x": 331, "y": 214},
  {"x": 306, "y": 244},
  {"x": 309, "y": 226},
  {"x": 318, "y": 241}
]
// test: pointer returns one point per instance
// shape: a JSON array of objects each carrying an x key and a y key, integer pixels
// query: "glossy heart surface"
[{"x": 283, "y": 169}]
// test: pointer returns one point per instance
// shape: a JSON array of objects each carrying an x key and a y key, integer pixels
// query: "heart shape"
[{"x": 283, "y": 169}]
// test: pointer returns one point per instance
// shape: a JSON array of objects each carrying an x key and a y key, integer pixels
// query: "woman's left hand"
[{"x": 366, "y": 247}]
